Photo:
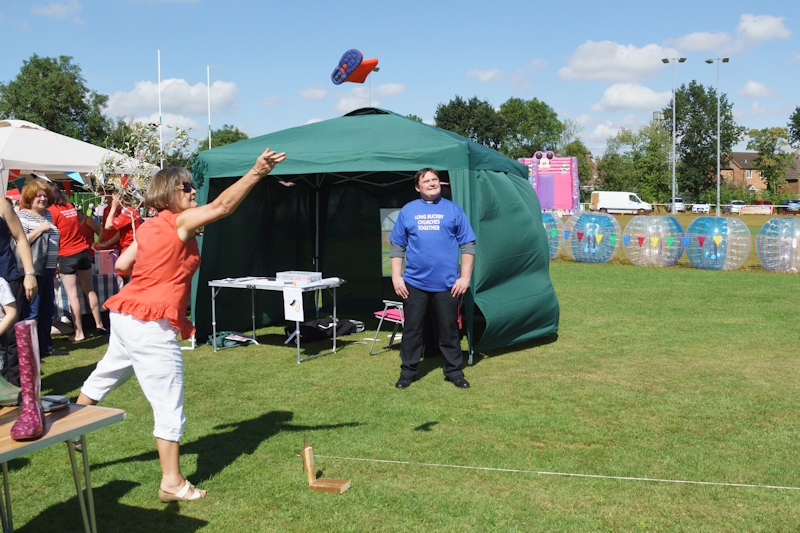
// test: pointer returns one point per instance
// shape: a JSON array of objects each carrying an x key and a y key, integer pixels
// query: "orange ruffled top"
[{"x": 162, "y": 275}]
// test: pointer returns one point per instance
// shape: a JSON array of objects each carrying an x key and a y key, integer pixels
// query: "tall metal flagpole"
[
  {"x": 719, "y": 174},
  {"x": 160, "y": 121},
  {"x": 674, "y": 105},
  {"x": 208, "y": 86}
]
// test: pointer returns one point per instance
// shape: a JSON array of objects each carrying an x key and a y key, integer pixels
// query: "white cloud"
[
  {"x": 429, "y": 122},
  {"x": 607, "y": 128},
  {"x": 517, "y": 79},
  {"x": 359, "y": 97},
  {"x": 271, "y": 100},
  {"x": 17, "y": 24},
  {"x": 171, "y": 120},
  {"x": 59, "y": 10},
  {"x": 177, "y": 96},
  {"x": 317, "y": 92},
  {"x": 701, "y": 41},
  {"x": 388, "y": 90},
  {"x": 313, "y": 120},
  {"x": 754, "y": 89},
  {"x": 584, "y": 120},
  {"x": 781, "y": 111},
  {"x": 631, "y": 96},
  {"x": 608, "y": 60},
  {"x": 796, "y": 57},
  {"x": 484, "y": 76},
  {"x": 754, "y": 29}
]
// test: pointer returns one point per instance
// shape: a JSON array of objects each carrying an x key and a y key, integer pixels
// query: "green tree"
[
  {"x": 227, "y": 134},
  {"x": 773, "y": 161},
  {"x": 794, "y": 128},
  {"x": 52, "y": 93},
  {"x": 696, "y": 130},
  {"x": 140, "y": 141},
  {"x": 616, "y": 170},
  {"x": 531, "y": 126},
  {"x": 414, "y": 117},
  {"x": 578, "y": 150},
  {"x": 638, "y": 161},
  {"x": 474, "y": 119}
]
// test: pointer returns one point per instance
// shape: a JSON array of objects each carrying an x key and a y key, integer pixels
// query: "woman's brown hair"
[{"x": 164, "y": 185}]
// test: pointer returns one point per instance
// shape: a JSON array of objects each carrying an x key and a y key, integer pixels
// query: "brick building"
[{"x": 741, "y": 171}]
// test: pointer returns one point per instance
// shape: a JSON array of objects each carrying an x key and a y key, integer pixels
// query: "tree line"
[{"x": 52, "y": 92}]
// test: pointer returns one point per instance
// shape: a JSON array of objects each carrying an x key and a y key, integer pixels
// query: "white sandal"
[{"x": 180, "y": 496}]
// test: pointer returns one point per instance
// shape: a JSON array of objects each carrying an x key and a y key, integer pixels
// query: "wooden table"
[{"x": 66, "y": 425}]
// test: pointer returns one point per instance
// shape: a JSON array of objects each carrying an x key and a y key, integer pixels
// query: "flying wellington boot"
[{"x": 30, "y": 424}]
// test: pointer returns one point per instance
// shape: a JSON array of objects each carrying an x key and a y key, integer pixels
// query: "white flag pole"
[
  {"x": 208, "y": 86},
  {"x": 160, "y": 121}
]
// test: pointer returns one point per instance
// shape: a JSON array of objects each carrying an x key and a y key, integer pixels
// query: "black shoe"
[
  {"x": 402, "y": 383},
  {"x": 461, "y": 383}
]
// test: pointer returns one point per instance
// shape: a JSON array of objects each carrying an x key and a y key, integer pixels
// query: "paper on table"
[{"x": 293, "y": 304}]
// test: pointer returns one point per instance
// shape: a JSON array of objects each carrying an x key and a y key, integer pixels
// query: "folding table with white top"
[{"x": 272, "y": 284}]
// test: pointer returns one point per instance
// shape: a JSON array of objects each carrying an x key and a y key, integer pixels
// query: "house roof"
[
  {"x": 743, "y": 160},
  {"x": 794, "y": 172}
]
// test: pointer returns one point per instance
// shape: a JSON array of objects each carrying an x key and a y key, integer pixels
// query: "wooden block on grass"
[{"x": 335, "y": 486}]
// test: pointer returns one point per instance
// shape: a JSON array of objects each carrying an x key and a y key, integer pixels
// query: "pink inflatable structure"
[{"x": 555, "y": 180}]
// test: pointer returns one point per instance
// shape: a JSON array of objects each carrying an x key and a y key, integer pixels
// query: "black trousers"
[
  {"x": 416, "y": 308},
  {"x": 8, "y": 340}
]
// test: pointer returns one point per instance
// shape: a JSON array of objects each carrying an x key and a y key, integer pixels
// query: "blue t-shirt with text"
[{"x": 432, "y": 234}]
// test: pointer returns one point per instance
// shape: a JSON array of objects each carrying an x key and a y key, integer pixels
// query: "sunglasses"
[{"x": 186, "y": 186}]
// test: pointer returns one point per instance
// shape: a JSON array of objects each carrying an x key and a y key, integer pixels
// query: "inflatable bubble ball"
[
  {"x": 554, "y": 228},
  {"x": 592, "y": 237},
  {"x": 717, "y": 243},
  {"x": 776, "y": 245},
  {"x": 654, "y": 241}
]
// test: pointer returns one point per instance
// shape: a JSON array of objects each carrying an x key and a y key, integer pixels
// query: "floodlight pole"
[
  {"x": 674, "y": 105},
  {"x": 710, "y": 61},
  {"x": 369, "y": 80}
]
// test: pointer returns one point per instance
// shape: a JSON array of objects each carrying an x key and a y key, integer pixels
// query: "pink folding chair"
[{"x": 392, "y": 312}]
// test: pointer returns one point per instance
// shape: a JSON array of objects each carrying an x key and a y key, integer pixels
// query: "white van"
[{"x": 619, "y": 202}]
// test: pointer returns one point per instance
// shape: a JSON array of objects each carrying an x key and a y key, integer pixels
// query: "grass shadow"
[
  {"x": 112, "y": 515},
  {"x": 66, "y": 380},
  {"x": 217, "y": 451},
  {"x": 534, "y": 343}
]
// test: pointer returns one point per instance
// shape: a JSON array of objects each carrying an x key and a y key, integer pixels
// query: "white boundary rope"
[{"x": 564, "y": 474}]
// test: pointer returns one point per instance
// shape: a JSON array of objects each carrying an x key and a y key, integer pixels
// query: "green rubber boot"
[{"x": 9, "y": 394}]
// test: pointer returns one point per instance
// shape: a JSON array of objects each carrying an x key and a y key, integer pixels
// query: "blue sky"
[{"x": 598, "y": 63}]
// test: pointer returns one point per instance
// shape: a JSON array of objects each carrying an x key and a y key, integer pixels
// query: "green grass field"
[{"x": 674, "y": 374}]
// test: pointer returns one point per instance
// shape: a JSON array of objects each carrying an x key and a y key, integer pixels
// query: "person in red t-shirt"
[
  {"x": 74, "y": 262},
  {"x": 108, "y": 237},
  {"x": 126, "y": 223}
]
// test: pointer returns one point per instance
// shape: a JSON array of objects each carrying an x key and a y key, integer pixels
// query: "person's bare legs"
[
  {"x": 172, "y": 481},
  {"x": 70, "y": 282},
  {"x": 87, "y": 284},
  {"x": 85, "y": 400}
]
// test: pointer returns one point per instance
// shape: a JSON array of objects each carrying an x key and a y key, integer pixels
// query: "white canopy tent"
[{"x": 29, "y": 148}]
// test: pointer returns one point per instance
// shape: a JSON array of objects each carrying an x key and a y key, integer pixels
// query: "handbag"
[{"x": 38, "y": 251}]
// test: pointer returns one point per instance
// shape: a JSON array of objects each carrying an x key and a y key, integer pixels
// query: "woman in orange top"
[{"x": 149, "y": 311}]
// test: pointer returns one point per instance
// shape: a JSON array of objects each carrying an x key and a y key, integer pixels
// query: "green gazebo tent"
[{"x": 321, "y": 210}]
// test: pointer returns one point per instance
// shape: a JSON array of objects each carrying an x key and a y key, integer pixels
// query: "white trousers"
[{"x": 151, "y": 351}]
